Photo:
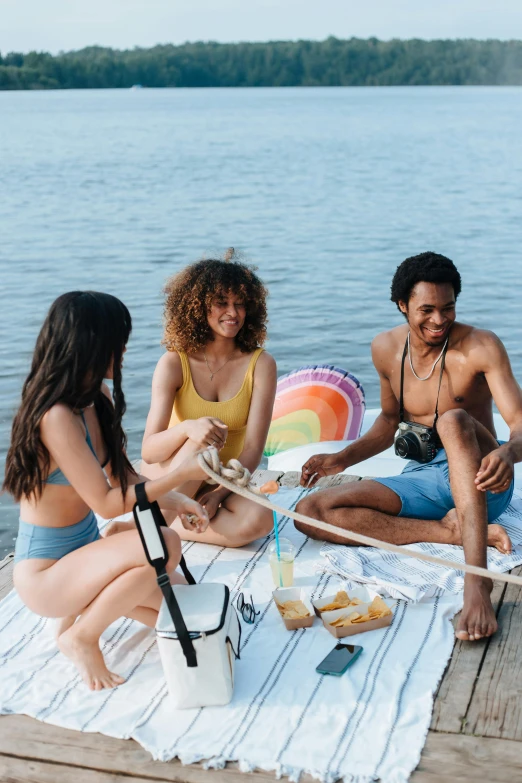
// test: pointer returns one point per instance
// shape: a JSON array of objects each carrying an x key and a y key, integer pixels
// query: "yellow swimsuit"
[{"x": 234, "y": 412}]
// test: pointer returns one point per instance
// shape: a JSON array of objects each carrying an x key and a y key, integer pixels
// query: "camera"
[{"x": 416, "y": 441}]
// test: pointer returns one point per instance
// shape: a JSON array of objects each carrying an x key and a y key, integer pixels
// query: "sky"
[{"x": 62, "y": 25}]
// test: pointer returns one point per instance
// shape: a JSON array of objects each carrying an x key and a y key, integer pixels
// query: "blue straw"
[{"x": 278, "y": 548}]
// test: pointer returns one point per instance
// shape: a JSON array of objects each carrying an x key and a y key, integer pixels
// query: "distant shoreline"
[{"x": 331, "y": 63}]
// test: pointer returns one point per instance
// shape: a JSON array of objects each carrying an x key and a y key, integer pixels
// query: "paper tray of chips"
[
  {"x": 362, "y": 609},
  {"x": 361, "y": 594},
  {"x": 282, "y": 595}
]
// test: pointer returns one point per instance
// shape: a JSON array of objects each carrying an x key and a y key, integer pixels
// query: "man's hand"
[
  {"x": 496, "y": 472},
  {"x": 206, "y": 432},
  {"x": 210, "y": 502},
  {"x": 191, "y": 513},
  {"x": 321, "y": 465}
]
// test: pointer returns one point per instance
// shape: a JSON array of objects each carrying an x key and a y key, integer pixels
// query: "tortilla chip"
[
  {"x": 364, "y": 618},
  {"x": 341, "y": 601},
  {"x": 379, "y": 608},
  {"x": 293, "y": 610},
  {"x": 376, "y": 610},
  {"x": 341, "y": 622}
]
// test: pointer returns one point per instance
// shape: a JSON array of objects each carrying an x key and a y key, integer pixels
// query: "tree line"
[{"x": 333, "y": 62}]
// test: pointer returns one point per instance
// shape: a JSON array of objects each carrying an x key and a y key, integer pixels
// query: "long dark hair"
[{"x": 83, "y": 332}]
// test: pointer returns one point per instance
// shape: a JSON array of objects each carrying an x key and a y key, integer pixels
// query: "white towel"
[
  {"x": 369, "y": 723},
  {"x": 403, "y": 577}
]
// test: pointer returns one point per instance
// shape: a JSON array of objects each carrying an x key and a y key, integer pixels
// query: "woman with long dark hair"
[{"x": 66, "y": 430}]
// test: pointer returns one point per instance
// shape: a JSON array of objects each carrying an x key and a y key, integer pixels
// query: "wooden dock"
[{"x": 476, "y": 729}]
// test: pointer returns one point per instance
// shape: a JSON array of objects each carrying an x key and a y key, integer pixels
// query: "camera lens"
[
  {"x": 401, "y": 447},
  {"x": 408, "y": 446}
]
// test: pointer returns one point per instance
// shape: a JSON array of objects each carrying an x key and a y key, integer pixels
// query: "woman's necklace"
[
  {"x": 428, "y": 376},
  {"x": 219, "y": 368}
]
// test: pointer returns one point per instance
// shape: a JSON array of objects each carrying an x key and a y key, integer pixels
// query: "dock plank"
[
  {"x": 33, "y": 752},
  {"x": 464, "y": 759},
  {"x": 459, "y": 680},
  {"x": 6, "y": 576},
  {"x": 30, "y": 740},
  {"x": 495, "y": 709},
  {"x": 15, "y": 770}
]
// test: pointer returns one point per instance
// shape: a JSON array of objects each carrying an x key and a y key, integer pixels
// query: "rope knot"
[{"x": 234, "y": 471}]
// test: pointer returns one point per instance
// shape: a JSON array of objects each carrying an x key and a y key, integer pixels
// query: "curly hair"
[
  {"x": 188, "y": 299},
  {"x": 423, "y": 268}
]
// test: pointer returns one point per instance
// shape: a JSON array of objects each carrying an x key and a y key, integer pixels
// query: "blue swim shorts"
[{"x": 425, "y": 492}]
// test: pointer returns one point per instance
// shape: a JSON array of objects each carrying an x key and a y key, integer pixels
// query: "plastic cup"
[{"x": 283, "y": 568}]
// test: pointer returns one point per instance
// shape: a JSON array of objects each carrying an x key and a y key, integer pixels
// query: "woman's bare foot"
[
  {"x": 63, "y": 624},
  {"x": 112, "y": 528},
  {"x": 88, "y": 659},
  {"x": 477, "y": 618},
  {"x": 497, "y": 536}
]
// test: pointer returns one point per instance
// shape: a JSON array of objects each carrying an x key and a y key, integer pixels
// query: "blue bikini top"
[{"x": 56, "y": 476}]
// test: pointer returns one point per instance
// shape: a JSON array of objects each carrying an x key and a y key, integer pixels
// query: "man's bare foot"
[
  {"x": 497, "y": 536},
  {"x": 63, "y": 624},
  {"x": 88, "y": 659},
  {"x": 451, "y": 523},
  {"x": 477, "y": 618}
]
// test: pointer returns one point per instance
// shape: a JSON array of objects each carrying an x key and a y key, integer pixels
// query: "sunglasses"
[{"x": 247, "y": 609}]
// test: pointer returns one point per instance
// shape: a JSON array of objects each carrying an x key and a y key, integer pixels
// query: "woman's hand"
[
  {"x": 211, "y": 502},
  {"x": 191, "y": 513},
  {"x": 206, "y": 432}
]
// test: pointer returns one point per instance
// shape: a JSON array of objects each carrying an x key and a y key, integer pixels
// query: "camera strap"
[{"x": 401, "y": 397}]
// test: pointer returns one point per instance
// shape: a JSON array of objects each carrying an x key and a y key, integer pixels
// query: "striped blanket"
[
  {"x": 284, "y": 717},
  {"x": 413, "y": 580}
]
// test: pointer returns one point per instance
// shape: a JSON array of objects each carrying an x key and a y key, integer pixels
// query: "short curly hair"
[
  {"x": 188, "y": 299},
  {"x": 423, "y": 268}
]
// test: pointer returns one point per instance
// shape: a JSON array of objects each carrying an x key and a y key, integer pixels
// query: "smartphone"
[{"x": 339, "y": 659}]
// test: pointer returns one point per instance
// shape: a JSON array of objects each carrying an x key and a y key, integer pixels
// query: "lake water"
[{"x": 325, "y": 189}]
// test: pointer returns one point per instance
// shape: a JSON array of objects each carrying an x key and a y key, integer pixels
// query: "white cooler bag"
[
  {"x": 214, "y": 629},
  {"x": 198, "y": 630}
]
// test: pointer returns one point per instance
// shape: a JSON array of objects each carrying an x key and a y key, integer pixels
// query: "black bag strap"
[
  {"x": 186, "y": 573},
  {"x": 163, "y": 523},
  {"x": 157, "y": 555}
]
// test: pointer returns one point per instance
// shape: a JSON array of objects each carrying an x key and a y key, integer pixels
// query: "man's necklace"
[
  {"x": 428, "y": 376},
  {"x": 219, "y": 368}
]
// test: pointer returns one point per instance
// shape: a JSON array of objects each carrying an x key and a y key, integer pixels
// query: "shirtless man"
[{"x": 469, "y": 483}]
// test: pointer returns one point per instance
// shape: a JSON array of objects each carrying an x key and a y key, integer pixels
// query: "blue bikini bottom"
[{"x": 36, "y": 541}]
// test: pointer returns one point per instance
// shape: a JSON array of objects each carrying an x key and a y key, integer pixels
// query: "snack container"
[
  {"x": 352, "y": 630},
  {"x": 358, "y": 592},
  {"x": 282, "y": 594}
]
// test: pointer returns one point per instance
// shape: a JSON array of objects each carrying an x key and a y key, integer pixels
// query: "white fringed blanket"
[
  {"x": 370, "y": 723},
  {"x": 403, "y": 577}
]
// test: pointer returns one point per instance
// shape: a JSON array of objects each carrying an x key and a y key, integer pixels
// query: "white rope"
[{"x": 236, "y": 478}]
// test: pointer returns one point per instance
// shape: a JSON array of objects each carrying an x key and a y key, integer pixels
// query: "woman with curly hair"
[
  {"x": 66, "y": 433},
  {"x": 214, "y": 386}
]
